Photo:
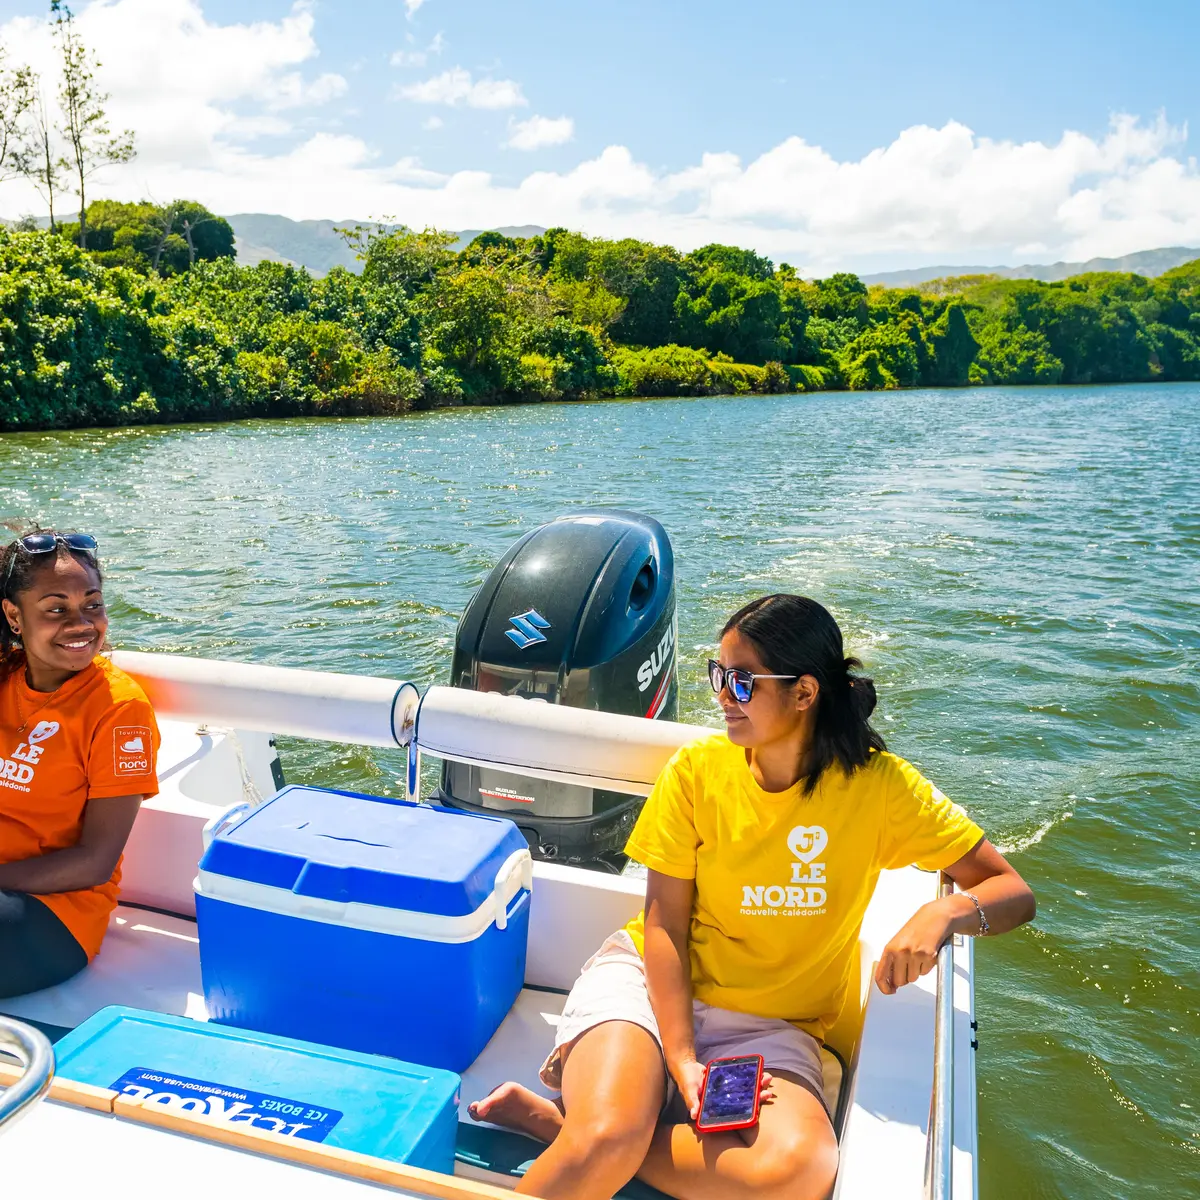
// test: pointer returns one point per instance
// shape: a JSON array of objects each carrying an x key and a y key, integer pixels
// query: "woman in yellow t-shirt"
[{"x": 763, "y": 845}]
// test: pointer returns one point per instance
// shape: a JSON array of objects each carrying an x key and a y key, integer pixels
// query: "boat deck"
[
  {"x": 151, "y": 961},
  {"x": 112, "y": 1159}
]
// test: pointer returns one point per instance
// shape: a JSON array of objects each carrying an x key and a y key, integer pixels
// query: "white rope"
[{"x": 250, "y": 793}]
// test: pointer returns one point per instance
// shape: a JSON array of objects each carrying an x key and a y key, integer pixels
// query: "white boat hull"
[{"x": 151, "y": 961}]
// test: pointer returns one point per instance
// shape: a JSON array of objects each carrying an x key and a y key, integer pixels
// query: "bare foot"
[{"x": 516, "y": 1107}]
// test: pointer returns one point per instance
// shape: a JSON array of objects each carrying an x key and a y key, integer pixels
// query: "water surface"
[{"x": 1019, "y": 569}]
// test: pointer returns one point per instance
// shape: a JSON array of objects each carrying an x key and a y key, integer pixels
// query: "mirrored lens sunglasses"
[
  {"x": 43, "y": 543},
  {"x": 739, "y": 682}
]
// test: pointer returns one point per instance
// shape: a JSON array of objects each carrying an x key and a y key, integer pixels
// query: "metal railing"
[
  {"x": 37, "y": 1057},
  {"x": 939, "y": 1149}
]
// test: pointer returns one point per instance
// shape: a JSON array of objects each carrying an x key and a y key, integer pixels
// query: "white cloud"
[
  {"x": 411, "y": 6},
  {"x": 432, "y": 123},
  {"x": 186, "y": 85},
  {"x": 456, "y": 86},
  {"x": 947, "y": 192},
  {"x": 296, "y": 92},
  {"x": 417, "y": 58},
  {"x": 540, "y": 131},
  {"x": 203, "y": 96}
]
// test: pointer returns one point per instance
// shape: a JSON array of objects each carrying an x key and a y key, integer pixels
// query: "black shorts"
[{"x": 36, "y": 949}]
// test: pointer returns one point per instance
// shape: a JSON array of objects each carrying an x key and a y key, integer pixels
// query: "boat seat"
[
  {"x": 499, "y": 1156},
  {"x": 149, "y": 960}
]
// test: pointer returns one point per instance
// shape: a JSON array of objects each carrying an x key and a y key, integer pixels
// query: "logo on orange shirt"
[
  {"x": 17, "y": 772},
  {"x": 131, "y": 750}
]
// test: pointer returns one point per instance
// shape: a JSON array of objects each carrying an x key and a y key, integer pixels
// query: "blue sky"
[{"x": 862, "y": 134}]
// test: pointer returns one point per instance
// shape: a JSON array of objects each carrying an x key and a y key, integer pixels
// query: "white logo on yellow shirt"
[
  {"x": 800, "y": 896},
  {"x": 807, "y": 841}
]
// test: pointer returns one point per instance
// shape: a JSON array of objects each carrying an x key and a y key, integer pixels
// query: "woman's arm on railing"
[{"x": 1002, "y": 899}]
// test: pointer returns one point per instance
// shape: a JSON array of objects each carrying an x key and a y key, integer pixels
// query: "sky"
[{"x": 867, "y": 135}]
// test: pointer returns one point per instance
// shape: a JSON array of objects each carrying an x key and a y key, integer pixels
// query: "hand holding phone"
[{"x": 731, "y": 1094}]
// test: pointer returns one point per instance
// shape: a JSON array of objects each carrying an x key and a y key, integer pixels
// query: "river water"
[{"x": 1019, "y": 570}]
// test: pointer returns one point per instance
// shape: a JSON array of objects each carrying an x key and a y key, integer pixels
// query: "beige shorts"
[{"x": 612, "y": 987}]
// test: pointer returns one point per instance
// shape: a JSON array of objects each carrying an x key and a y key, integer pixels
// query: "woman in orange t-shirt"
[{"x": 78, "y": 743}]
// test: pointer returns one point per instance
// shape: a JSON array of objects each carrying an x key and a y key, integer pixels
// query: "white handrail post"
[
  {"x": 37, "y": 1056},
  {"x": 939, "y": 1150}
]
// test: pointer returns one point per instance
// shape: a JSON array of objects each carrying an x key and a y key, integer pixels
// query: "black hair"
[
  {"x": 17, "y": 570},
  {"x": 797, "y": 636}
]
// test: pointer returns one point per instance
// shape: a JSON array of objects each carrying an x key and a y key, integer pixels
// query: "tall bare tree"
[
  {"x": 188, "y": 221},
  {"x": 16, "y": 98},
  {"x": 39, "y": 157},
  {"x": 163, "y": 223},
  {"x": 91, "y": 144}
]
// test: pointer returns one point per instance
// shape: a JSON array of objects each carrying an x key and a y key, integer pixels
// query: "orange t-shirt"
[{"x": 92, "y": 738}]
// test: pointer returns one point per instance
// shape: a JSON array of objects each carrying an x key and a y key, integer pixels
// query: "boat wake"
[{"x": 1027, "y": 841}]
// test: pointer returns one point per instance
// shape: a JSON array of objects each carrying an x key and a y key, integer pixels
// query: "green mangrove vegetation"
[
  {"x": 156, "y": 322},
  {"x": 138, "y": 313}
]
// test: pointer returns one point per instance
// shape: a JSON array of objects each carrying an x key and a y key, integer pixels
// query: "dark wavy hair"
[
  {"x": 797, "y": 636},
  {"x": 17, "y": 570}
]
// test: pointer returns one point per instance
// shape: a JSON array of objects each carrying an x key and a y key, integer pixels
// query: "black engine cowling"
[{"x": 580, "y": 611}]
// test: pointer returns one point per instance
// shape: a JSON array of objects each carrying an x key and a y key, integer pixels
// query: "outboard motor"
[{"x": 581, "y": 612}]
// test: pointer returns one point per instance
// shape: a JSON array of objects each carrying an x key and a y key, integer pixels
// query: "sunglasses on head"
[
  {"x": 739, "y": 682},
  {"x": 44, "y": 543}
]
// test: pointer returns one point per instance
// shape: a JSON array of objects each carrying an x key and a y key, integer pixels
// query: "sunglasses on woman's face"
[
  {"x": 43, "y": 543},
  {"x": 739, "y": 682}
]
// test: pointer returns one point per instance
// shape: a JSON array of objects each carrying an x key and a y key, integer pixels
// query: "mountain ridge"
[
  {"x": 316, "y": 245},
  {"x": 1142, "y": 262}
]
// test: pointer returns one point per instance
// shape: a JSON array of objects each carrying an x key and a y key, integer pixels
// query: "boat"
[{"x": 899, "y": 1070}]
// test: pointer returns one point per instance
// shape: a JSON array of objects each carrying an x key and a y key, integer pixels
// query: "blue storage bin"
[
  {"x": 360, "y": 1102},
  {"x": 376, "y": 925}
]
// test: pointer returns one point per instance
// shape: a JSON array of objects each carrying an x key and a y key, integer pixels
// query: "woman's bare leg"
[
  {"x": 790, "y": 1155},
  {"x": 613, "y": 1089}
]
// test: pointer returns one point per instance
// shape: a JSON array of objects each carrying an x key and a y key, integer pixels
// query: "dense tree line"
[
  {"x": 138, "y": 312},
  {"x": 157, "y": 322}
]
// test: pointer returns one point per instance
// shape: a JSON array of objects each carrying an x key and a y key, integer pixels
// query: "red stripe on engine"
[{"x": 661, "y": 695}]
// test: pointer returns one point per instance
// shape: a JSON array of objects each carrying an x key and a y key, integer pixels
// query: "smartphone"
[{"x": 730, "y": 1092}]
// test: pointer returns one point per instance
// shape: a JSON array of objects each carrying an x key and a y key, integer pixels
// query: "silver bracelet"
[{"x": 984, "y": 928}]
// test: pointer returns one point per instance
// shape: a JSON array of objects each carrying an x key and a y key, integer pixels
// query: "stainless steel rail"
[
  {"x": 37, "y": 1057},
  {"x": 939, "y": 1149}
]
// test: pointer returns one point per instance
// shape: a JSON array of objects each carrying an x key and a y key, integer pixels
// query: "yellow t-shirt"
[{"x": 783, "y": 879}]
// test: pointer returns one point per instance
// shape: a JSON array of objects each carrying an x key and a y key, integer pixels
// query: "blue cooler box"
[
  {"x": 377, "y": 925},
  {"x": 359, "y": 1102}
]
